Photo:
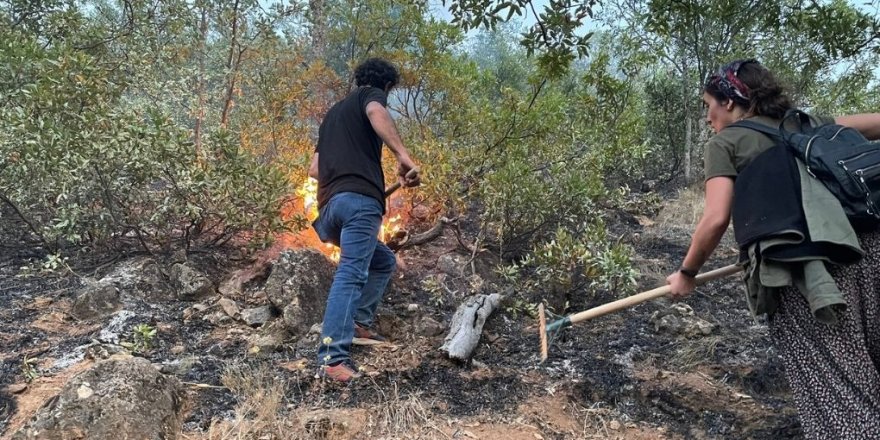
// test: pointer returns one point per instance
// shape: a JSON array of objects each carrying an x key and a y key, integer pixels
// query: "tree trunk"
[
  {"x": 200, "y": 87},
  {"x": 688, "y": 147},
  {"x": 232, "y": 63},
  {"x": 688, "y": 120},
  {"x": 318, "y": 30}
]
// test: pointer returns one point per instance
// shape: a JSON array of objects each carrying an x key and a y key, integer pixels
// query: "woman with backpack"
[{"x": 832, "y": 360}]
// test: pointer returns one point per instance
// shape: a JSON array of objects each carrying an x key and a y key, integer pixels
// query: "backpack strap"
[
  {"x": 805, "y": 124},
  {"x": 784, "y": 137}
]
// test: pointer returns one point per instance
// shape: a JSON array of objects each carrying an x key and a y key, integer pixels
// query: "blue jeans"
[{"x": 352, "y": 221}]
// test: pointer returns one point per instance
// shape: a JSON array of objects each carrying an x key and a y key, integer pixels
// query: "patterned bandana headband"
[{"x": 729, "y": 84}]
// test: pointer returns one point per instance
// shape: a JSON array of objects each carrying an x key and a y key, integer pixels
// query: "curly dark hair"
[
  {"x": 376, "y": 72},
  {"x": 751, "y": 85}
]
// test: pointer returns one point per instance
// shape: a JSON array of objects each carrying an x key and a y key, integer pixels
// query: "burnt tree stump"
[{"x": 467, "y": 326}]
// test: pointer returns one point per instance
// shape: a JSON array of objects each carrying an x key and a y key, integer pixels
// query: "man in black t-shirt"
[{"x": 351, "y": 201}]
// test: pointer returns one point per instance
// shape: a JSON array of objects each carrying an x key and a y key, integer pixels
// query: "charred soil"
[{"x": 612, "y": 377}]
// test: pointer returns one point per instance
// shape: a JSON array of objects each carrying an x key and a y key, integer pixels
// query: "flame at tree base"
[{"x": 308, "y": 194}]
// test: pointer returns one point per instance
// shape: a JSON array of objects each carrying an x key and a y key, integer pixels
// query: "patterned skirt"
[{"x": 834, "y": 371}]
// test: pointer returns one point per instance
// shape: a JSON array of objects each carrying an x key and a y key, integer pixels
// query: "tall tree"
[{"x": 693, "y": 37}]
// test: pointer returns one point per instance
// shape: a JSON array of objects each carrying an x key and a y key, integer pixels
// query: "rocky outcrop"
[
  {"x": 140, "y": 278},
  {"x": 298, "y": 286},
  {"x": 122, "y": 399},
  {"x": 189, "y": 283},
  {"x": 96, "y": 300},
  {"x": 257, "y": 316},
  {"x": 268, "y": 339},
  {"x": 452, "y": 264},
  {"x": 679, "y": 319}
]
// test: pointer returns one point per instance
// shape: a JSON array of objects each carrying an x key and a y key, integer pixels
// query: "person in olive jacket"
[{"x": 833, "y": 369}]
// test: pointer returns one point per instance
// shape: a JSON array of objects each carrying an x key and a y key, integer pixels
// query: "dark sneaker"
[
  {"x": 341, "y": 372},
  {"x": 366, "y": 336}
]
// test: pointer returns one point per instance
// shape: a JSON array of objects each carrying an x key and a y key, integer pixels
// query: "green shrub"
[
  {"x": 81, "y": 169},
  {"x": 584, "y": 260}
]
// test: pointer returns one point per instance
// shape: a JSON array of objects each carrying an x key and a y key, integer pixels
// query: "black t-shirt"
[{"x": 349, "y": 150}]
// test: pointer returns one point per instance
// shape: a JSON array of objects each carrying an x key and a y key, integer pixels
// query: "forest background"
[{"x": 189, "y": 124}]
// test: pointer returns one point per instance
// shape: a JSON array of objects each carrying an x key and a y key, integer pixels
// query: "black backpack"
[{"x": 841, "y": 157}]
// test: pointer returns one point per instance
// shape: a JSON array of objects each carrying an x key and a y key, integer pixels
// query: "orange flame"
[
  {"x": 389, "y": 228},
  {"x": 332, "y": 252},
  {"x": 308, "y": 192}
]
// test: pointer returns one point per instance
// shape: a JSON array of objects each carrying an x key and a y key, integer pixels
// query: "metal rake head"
[{"x": 546, "y": 332}]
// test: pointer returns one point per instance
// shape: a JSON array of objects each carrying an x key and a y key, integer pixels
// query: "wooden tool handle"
[
  {"x": 390, "y": 190},
  {"x": 411, "y": 174},
  {"x": 649, "y": 295}
]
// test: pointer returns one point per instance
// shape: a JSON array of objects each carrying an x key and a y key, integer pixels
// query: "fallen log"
[{"x": 467, "y": 325}]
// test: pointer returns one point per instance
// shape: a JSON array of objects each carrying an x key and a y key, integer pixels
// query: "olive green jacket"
[{"x": 826, "y": 223}]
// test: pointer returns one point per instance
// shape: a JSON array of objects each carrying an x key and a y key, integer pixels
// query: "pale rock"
[{"x": 229, "y": 306}]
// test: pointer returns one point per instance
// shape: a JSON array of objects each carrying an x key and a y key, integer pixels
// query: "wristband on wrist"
[{"x": 687, "y": 272}]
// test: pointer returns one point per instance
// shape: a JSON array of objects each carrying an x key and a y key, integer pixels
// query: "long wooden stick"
[
  {"x": 622, "y": 304},
  {"x": 648, "y": 295}
]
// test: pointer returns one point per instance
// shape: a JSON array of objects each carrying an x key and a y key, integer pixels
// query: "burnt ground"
[{"x": 612, "y": 377}]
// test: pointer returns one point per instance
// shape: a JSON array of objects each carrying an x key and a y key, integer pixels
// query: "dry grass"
[
  {"x": 595, "y": 421},
  {"x": 262, "y": 415},
  {"x": 691, "y": 353},
  {"x": 684, "y": 211},
  {"x": 258, "y": 413},
  {"x": 399, "y": 416}
]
